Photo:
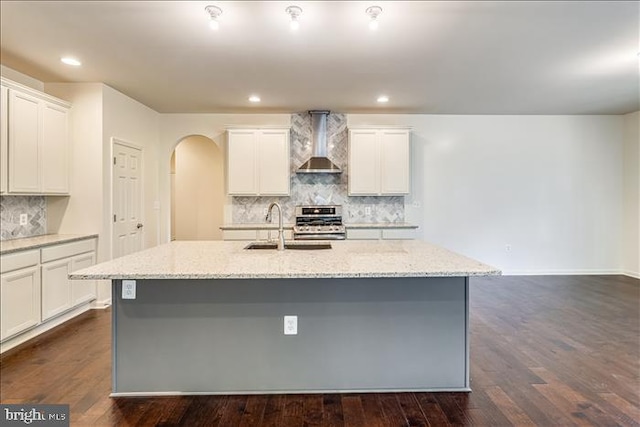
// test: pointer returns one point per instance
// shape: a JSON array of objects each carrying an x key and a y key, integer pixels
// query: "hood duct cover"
[{"x": 319, "y": 162}]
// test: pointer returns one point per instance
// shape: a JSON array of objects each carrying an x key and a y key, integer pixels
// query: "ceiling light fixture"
[
  {"x": 214, "y": 12},
  {"x": 254, "y": 98},
  {"x": 71, "y": 61},
  {"x": 382, "y": 99},
  {"x": 294, "y": 12},
  {"x": 373, "y": 13}
]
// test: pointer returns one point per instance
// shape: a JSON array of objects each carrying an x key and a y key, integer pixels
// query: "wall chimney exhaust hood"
[{"x": 319, "y": 162}]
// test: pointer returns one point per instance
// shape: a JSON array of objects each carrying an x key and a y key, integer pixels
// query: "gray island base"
[{"x": 208, "y": 318}]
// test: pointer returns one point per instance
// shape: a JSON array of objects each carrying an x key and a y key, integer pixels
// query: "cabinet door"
[
  {"x": 82, "y": 290},
  {"x": 55, "y": 149},
  {"x": 24, "y": 119},
  {"x": 363, "y": 163},
  {"x": 20, "y": 301},
  {"x": 394, "y": 162},
  {"x": 4, "y": 137},
  {"x": 56, "y": 288},
  {"x": 274, "y": 170},
  {"x": 241, "y": 163}
]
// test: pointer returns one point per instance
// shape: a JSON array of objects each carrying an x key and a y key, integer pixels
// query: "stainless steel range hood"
[{"x": 319, "y": 162}]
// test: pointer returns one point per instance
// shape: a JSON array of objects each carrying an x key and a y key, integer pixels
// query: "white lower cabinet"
[
  {"x": 56, "y": 288},
  {"x": 35, "y": 286},
  {"x": 59, "y": 293},
  {"x": 252, "y": 235},
  {"x": 20, "y": 298},
  {"x": 384, "y": 234},
  {"x": 82, "y": 290}
]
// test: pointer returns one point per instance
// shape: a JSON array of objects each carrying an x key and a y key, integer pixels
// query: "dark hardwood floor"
[{"x": 546, "y": 351}]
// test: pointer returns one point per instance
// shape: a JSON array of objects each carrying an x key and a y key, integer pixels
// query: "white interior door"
[{"x": 127, "y": 199}]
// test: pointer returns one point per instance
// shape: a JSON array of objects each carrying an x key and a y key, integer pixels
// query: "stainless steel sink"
[{"x": 289, "y": 245}]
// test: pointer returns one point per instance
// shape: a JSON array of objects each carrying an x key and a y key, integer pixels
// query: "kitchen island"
[{"x": 208, "y": 317}]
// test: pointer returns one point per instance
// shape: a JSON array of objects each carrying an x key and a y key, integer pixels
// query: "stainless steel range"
[{"x": 322, "y": 222}]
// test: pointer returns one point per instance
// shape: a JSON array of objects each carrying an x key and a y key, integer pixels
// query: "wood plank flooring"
[{"x": 545, "y": 351}]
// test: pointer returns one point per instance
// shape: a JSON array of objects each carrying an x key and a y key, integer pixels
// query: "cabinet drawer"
[
  {"x": 19, "y": 260},
  {"x": 399, "y": 233},
  {"x": 66, "y": 250},
  {"x": 363, "y": 234},
  {"x": 239, "y": 234}
]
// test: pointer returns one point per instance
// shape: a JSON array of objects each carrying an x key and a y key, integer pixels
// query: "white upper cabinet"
[
  {"x": 379, "y": 161},
  {"x": 37, "y": 141},
  {"x": 4, "y": 139},
  {"x": 24, "y": 143},
  {"x": 258, "y": 162},
  {"x": 55, "y": 149}
]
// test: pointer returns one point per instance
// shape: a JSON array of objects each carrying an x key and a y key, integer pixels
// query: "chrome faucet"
[{"x": 280, "y": 227}]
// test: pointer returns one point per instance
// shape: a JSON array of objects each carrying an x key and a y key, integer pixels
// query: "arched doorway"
[{"x": 197, "y": 189}]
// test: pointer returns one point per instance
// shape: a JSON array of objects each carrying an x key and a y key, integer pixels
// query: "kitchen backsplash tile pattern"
[
  {"x": 319, "y": 189},
  {"x": 11, "y": 207}
]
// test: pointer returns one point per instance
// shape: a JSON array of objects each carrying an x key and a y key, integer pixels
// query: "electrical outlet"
[
  {"x": 24, "y": 219},
  {"x": 128, "y": 289},
  {"x": 507, "y": 247},
  {"x": 291, "y": 325},
  {"x": 367, "y": 210}
]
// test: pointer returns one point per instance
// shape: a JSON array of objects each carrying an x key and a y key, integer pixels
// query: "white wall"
[
  {"x": 175, "y": 127},
  {"x": 99, "y": 113},
  {"x": 128, "y": 120},
  {"x": 631, "y": 215},
  {"x": 548, "y": 186}
]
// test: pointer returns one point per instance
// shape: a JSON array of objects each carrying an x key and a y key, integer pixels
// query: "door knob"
[{"x": 139, "y": 225}]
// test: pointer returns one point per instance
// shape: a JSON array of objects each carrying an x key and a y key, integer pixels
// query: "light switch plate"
[{"x": 128, "y": 289}]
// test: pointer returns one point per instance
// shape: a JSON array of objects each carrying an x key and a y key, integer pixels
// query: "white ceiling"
[{"x": 446, "y": 57}]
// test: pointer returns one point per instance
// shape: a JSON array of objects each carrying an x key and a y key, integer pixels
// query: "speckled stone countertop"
[
  {"x": 381, "y": 225},
  {"x": 263, "y": 226},
  {"x": 9, "y": 246},
  {"x": 274, "y": 226},
  {"x": 346, "y": 259}
]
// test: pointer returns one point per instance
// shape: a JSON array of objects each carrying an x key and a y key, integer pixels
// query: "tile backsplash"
[
  {"x": 11, "y": 207},
  {"x": 320, "y": 189}
]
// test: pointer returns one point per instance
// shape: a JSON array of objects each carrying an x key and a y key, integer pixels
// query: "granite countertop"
[
  {"x": 274, "y": 226},
  {"x": 27, "y": 243},
  {"x": 381, "y": 225},
  {"x": 260, "y": 226},
  {"x": 346, "y": 259}
]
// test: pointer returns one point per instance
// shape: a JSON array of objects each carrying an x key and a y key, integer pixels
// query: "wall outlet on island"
[
  {"x": 507, "y": 247},
  {"x": 128, "y": 289},
  {"x": 291, "y": 325},
  {"x": 24, "y": 219}
]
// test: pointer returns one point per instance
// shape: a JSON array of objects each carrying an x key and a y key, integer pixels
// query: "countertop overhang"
[
  {"x": 346, "y": 259},
  {"x": 37, "y": 242}
]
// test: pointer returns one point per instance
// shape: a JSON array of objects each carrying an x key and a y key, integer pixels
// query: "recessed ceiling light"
[
  {"x": 382, "y": 99},
  {"x": 71, "y": 61},
  {"x": 254, "y": 98}
]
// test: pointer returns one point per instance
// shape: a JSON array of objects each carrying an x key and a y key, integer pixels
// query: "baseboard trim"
[
  {"x": 563, "y": 273},
  {"x": 633, "y": 274},
  {"x": 42, "y": 328},
  {"x": 101, "y": 305}
]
